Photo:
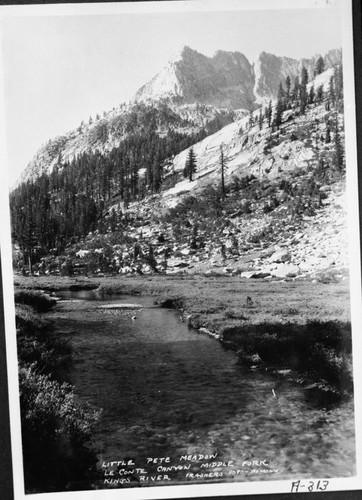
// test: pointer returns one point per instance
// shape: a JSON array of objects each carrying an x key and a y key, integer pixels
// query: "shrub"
[
  {"x": 318, "y": 350},
  {"x": 171, "y": 302},
  {"x": 245, "y": 207},
  {"x": 55, "y": 430},
  {"x": 28, "y": 322},
  {"x": 36, "y": 342},
  {"x": 35, "y": 298}
]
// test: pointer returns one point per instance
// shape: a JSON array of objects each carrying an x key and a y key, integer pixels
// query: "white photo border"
[{"x": 196, "y": 490}]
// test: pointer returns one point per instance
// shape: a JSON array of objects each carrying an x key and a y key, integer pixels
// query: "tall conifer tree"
[
  {"x": 222, "y": 165},
  {"x": 190, "y": 165}
]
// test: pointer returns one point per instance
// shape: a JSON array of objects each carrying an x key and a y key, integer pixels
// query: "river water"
[{"x": 178, "y": 397}]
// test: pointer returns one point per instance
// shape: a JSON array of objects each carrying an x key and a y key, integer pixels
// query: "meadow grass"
[{"x": 298, "y": 325}]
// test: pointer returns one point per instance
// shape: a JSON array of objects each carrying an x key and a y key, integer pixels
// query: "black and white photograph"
[{"x": 180, "y": 248}]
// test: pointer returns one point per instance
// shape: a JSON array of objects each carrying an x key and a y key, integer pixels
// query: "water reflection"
[{"x": 169, "y": 391}]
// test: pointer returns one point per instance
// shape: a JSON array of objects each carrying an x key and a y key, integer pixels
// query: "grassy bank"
[
  {"x": 56, "y": 428},
  {"x": 300, "y": 329}
]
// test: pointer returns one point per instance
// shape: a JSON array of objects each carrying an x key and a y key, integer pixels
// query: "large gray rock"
[
  {"x": 285, "y": 271},
  {"x": 177, "y": 263},
  {"x": 280, "y": 256},
  {"x": 254, "y": 274}
]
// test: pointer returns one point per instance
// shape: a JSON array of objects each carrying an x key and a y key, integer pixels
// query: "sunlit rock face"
[
  {"x": 270, "y": 70},
  {"x": 225, "y": 80}
]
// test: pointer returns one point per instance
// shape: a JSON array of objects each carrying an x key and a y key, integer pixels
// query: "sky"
[{"x": 64, "y": 64}]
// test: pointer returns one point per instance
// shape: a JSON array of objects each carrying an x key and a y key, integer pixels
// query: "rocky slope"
[
  {"x": 282, "y": 218},
  {"x": 107, "y": 132},
  {"x": 276, "y": 245},
  {"x": 272, "y": 246},
  {"x": 254, "y": 151}
]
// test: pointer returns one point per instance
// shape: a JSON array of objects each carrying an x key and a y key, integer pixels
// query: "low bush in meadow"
[
  {"x": 35, "y": 298},
  {"x": 55, "y": 432},
  {"x": 320, "y": 351},
  {"x": 56, "y": 429}
]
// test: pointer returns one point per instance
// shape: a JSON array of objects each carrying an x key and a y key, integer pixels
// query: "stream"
[{"x": 179, "y": 408}]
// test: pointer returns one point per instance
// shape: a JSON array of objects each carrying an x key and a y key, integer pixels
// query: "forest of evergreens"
[{"x": 48, "y": 212}]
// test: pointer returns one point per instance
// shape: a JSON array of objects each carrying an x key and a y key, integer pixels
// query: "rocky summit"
[{"x": 224, "y": 81}]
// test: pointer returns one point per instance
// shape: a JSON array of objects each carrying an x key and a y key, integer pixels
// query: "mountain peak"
[
  {"x": 182, "y": 52},
  {"x": 224, "y": 80}
]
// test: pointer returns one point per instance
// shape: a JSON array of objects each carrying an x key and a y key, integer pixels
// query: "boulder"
[
  {"x": 82, "y": 253},
  {"x": 285, "y": 271},
  {"x": 246, "y": 274},
  {"x": 254, "y": 274},
  {"x": 177, "y": 263},
  {"x": 268, "y": 252},
  {"x": 125, "y": 270},
  {"x": 172, "y": 271},
  {"x": 310, "y": 263},
  {"x": 280, "y": 256}
]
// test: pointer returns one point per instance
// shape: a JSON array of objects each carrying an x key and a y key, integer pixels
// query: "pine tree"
[
  {"x": 260, "y": 120},
  {"x": 304, "y": 77},
  {"x": 157, "y": 173},
  {"x": 190, "y": 165},
  {"x": 332, "y": 93},
  {"x": 311, "y": 96},
  {"x": 222, "y": 165},
  {"x": 151, "y": 260},
  {"x": 279, "y": 112},
  {"x": 281, "y": 97},
  {"x": 296, "y": 90},
  {"x": 288, "y": 85},
  {"x": 193, "y": 242},
  {"x": 303, "y": 90},
  {"x": 303, "y": 99},
  {"x": 338, "y": 76},
  {"x": 29, "y": 241},
  {"x": 320, "y": 94},
  {"x": 319, "y": 66},
  {"x": 113, "y": 220},
  {"x": 269, "y": 113},
  {"x": 338, "y": 153},
  {"x": 251, "y": 119}
]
